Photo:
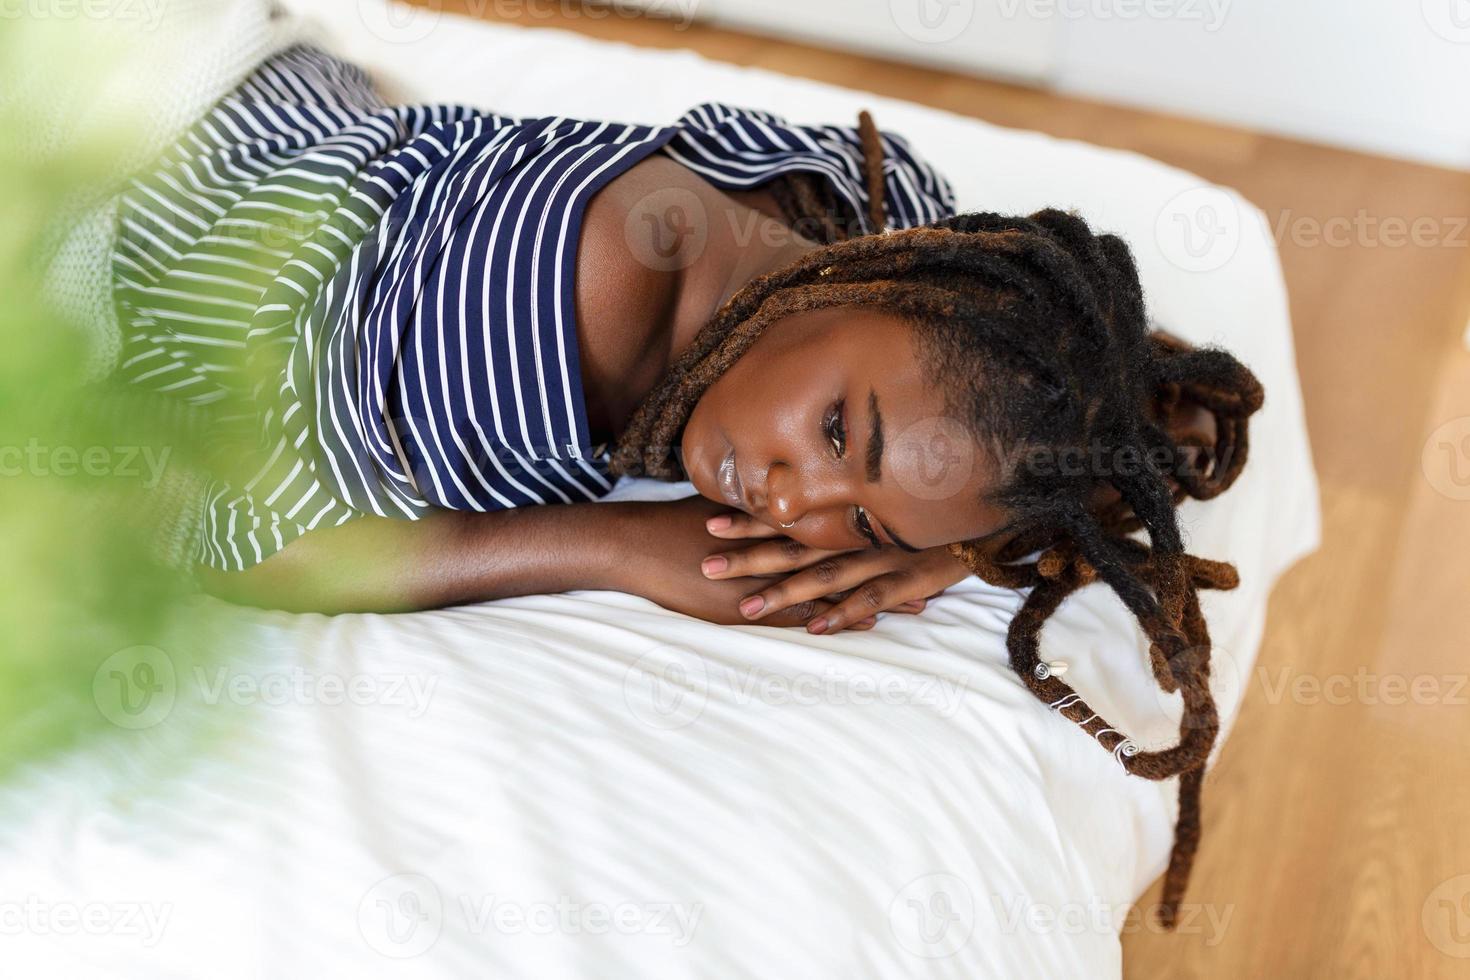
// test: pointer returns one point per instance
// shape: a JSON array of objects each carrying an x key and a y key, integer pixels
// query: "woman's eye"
[
  {"x": 836, "y": 430},
  {"x": 865, "y": 527}
]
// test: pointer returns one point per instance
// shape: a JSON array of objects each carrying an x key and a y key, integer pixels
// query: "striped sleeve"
[
  {"x": 378, "y": 302},
  {"x": 737, "y": 148}
]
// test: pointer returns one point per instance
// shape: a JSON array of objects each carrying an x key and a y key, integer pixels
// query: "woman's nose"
[{"x": 790, "y": 496}]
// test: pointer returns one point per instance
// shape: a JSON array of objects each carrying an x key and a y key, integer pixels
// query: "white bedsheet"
[{"x": 588, "y": 786}]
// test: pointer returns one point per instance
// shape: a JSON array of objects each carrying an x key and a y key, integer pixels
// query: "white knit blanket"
[{"x": 132, "y": 81}]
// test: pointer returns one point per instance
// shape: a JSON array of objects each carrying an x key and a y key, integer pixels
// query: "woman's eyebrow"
[
  {"x": 874, "y": 454},
  {"x": 873, "y": 460}
]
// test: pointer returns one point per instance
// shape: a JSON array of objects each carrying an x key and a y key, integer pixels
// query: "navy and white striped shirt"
[{"x": 388, "y": 290}]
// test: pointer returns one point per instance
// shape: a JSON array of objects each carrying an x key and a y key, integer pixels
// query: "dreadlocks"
[{"x": 1037, "y": 331}]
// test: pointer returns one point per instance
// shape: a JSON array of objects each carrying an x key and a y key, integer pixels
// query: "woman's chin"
[{"x": 699, "y": 467}]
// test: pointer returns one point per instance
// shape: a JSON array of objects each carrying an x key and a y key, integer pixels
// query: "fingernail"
[
  {"x": 817, "y": 626},
  {"x": 721, "y": 523},
  {"x": 714, "y": 564},
  {"x": 751, "y": 605},
  {"x": 864, "y": 624}
]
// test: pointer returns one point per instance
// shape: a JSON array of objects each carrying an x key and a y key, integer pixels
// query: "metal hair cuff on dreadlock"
[{"x": 1056, "y": 311}]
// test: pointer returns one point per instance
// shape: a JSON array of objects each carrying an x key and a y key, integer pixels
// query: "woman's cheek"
[{"x": 825, "y": 534}]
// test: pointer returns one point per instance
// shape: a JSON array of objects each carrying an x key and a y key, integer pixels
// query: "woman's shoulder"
[
  {"x": 739, "y": 148},
  {"x": 637, "y": 232}
]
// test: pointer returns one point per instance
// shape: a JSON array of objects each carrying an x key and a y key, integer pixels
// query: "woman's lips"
[{"x": 727, "y": 478}]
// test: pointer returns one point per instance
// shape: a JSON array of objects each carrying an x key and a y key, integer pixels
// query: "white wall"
[
  {"x": 1385, "y": 76},
  {"x": 960, "y": 34}
]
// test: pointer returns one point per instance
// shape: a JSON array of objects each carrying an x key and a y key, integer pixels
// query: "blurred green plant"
[{"x": 81, "y": 461}]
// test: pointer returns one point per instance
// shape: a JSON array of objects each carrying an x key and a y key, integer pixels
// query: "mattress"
[{"x": 586, "y": 785}]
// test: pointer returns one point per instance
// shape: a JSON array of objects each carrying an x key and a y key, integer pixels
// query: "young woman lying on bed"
[{"x": 446, "y": 315}]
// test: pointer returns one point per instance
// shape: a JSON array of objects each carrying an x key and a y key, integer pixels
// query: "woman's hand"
[
  {"x": 660, "y": 549},
  {"x": 857, "y": 584}
]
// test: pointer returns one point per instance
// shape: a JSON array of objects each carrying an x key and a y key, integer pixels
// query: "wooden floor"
[{"x": 1338, "y": 820}]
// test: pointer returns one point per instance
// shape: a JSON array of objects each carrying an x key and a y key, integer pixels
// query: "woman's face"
[{"x": 831, "y": 425}]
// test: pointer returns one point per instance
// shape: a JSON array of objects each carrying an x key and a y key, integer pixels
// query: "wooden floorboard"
[{"x": 1331, "y": 825}]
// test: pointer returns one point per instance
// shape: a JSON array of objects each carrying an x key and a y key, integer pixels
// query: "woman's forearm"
[{"x": 375, "y": 564}]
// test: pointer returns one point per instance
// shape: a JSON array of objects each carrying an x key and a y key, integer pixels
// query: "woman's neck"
[
  {"x": 637, "y": 312},
  {"x": 744, "y": 244}
]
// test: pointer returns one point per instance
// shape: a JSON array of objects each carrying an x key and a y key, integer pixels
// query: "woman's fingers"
[
  {"x": 848, "y": 588},
  {"x": 803, "y": 613},
  {"x": 912, "y": 606},
  {"x": 886, "y": 593},
  {"x": 799, "y": 614},
  {"x": 856, "y": 571},
  {"x": 735, "y": 525},
  {"x": 765, "y": 558}
]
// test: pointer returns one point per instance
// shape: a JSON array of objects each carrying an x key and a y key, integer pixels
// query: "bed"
[{"x": 586, "y": 785}]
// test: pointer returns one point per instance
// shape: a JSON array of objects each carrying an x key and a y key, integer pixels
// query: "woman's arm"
[{"x": 377, "y": 564}]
